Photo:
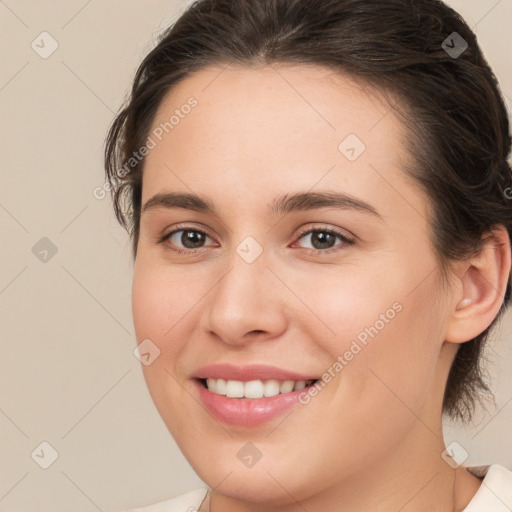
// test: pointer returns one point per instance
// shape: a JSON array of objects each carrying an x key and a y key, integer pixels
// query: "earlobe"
[{"x": 484, "y": 281}]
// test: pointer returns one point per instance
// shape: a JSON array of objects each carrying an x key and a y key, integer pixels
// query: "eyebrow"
[{"x": 301, "y": 201}]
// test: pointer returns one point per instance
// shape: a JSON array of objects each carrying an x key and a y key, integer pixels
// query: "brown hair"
[{"x": 458, "y": 126}]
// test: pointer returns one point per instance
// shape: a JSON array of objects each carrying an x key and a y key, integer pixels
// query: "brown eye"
[
  {"x": 324, "y": 240},
  {"x": 185, "y": 240}
]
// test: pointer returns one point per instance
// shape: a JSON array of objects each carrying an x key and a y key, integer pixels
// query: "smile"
[{"x": 249, "y": 407}]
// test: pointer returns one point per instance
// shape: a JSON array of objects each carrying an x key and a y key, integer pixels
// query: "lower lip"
[{"x": 246, "y": 412}]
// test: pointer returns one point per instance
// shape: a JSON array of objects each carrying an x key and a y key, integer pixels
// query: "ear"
[{"x": 478, "y": 297}]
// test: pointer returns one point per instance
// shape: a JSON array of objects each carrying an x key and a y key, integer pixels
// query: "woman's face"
[{"x": 259, "y": 281}]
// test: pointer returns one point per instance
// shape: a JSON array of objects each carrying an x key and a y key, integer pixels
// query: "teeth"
[
  {"x": 271, "y": 388},
  {"x": 254, "y": 388},
  {"x": 234, "y": 389},
  {"x": 286, "y": 386},
  {"x": 299, "y": 385}
]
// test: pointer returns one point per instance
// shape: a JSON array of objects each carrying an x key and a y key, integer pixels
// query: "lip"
[
  {"x": 250, "y": 372},
  {"x": 245, "y": 412}
]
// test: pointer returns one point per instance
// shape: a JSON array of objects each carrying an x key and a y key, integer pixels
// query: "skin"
[{"x": 372, "y": 438}]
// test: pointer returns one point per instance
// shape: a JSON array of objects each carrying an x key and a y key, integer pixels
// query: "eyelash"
[{"x": 345, "y": 240}]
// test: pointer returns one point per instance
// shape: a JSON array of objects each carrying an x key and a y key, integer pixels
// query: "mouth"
[
  {"x": 250, "y": 395},
  {"x": 249, "y": 404},
  {"x": 254, "y": 389}
]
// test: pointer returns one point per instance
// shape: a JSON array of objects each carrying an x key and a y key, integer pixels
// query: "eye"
[
  {"x": 323, "y": 239},
  {"x": 191, "y": 239},
  {"x": 187, "y": 240}
]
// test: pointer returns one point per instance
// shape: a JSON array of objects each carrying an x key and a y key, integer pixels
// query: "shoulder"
[
  {"x": 188, "y": 502},
  {"x": 495, "y": 492}
]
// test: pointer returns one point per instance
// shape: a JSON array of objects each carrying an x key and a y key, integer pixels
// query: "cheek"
[
  {"x": 157, "y": 315},
  {"x": 159, "y": 311},
  {"x": 384, "y": 358},
  {"x": 383, "y": 339},
  {"x": 161, "y": 302},
  {"x": 165, "y": 306},
  {"x": 150, "y": 307}
]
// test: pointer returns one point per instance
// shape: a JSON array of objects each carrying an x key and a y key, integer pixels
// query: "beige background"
[{"x": 68, "y": 375}]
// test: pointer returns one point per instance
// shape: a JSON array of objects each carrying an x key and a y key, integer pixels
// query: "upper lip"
[{"x": 246, "y": 373}]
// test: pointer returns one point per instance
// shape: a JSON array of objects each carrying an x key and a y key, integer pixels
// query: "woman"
[{"x": 317, "y": 198}]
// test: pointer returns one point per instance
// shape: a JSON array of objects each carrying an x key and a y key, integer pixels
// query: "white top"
[{"x": 494, "y": 494}]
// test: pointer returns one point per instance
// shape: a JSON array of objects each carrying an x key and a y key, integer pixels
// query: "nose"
[{"x": 245, "y": 304}]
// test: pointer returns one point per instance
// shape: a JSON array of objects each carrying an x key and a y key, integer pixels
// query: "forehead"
[
  {"x": 272, "y": 128},
  {"x": 249, "y": 101}
]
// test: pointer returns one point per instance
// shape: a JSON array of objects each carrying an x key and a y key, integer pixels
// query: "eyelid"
[{"x": 343, "y": 233}]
